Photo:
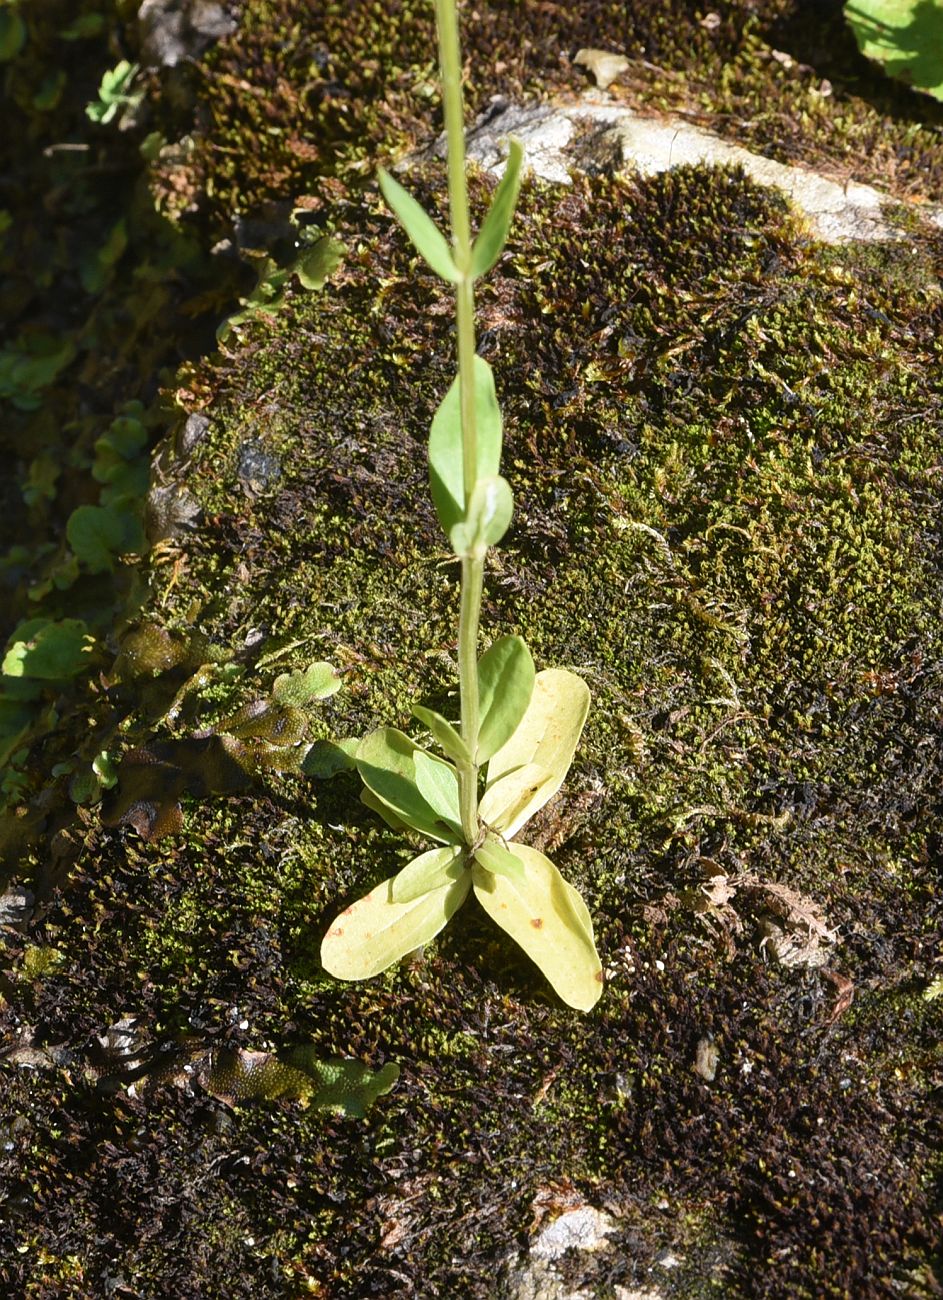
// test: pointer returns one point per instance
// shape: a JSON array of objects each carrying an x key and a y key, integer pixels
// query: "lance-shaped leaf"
[
  {"x": 546, "y": 738},
  {"x": 387, "y": 762},
  {"x": 505, "y": 687},
  {"x": 375, "y": 932},
  {"x": 520, "y": 794},
  {"x": 493, "y": 856},
  {"x": 437, "y": 782},
  {"x": 446, "y": 471},
  {"x": 487, "y": 519},
  {"x": 428, "y": 239},
  {"x": 493, "y": 234},
  {"x": 429, "y": 871},
  {"x": 546, "y": 917},
  {"x": 445, "y": 733}
]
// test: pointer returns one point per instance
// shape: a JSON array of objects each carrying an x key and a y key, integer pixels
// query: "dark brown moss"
[
  {"x": 764, "y": 653},
  {"x": 301, "y": 102}
]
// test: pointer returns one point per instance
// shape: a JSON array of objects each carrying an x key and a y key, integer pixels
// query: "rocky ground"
[{"x": 723, "y": 431}]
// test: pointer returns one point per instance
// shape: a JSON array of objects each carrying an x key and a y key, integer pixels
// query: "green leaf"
[
  {"x": 489, "y": 513},
  {"x": 386, "y": 760},
  {"x": 105, "y": 768},
  {"x": 429, "y": 871},
  {"x": 50, "y": 92},
  {"x": 437, "y": 782},
  {"x": 126, "y": 438},
  {"x": 375, "y": 932},
  {"x": 113, "y": 93},
  {"x": 906, "y": 36},
  {"x": 546, "y": 738},
  {"x": 505, "y": 687},
  {"x": 493, "y": 234},
  {"x": 444, "y": 732},
  {"x": 315, "y": 265},
  {"x": 495, "y": 857},
  {"x": 446, "y": 472},
  {"x": 85, "y": 26},
  {"x": 85, "y": 787},
  {"x": 96, "y": 266},
  {"x": 12, "y": 34},
  {"x": 30, "y": 365},
  {"x": 316, "y": 682},
  {"x": 49, "y": 651},
  {"x": 428, "y": 239},
  {"x": 98, "y": 534},
  {"x": 547, "y": 918},
  {"x": 383, "y": 809},
  {"x": 326, "y": 758}
]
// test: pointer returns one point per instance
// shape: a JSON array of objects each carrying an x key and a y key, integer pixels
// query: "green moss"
[
  {"x": 39, "y": 962},
  {"x": 722, "y": 445},
  {"x": 304, "y": 99}
]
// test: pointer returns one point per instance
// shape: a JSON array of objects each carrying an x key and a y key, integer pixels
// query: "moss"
[
  {"x": 300, "y": 103},
  {"x": 39, "y": 962},
  {"x": 723, "y": 442}
]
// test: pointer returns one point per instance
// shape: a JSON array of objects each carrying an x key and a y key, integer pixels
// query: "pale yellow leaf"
[
  {"x": 546, "y": 917},
  {"x": 375, "y": 932},
  {"x": 546, "y": 739}
]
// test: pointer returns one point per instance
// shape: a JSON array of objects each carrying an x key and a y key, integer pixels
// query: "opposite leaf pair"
[
  {"x": 519, "y": 888},
  {"x": 428, "y": 239}
]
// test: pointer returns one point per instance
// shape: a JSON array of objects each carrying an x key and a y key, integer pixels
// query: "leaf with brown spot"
[
  {"x": 546, "y": 917},
  {"x": 376, "y": 931}
]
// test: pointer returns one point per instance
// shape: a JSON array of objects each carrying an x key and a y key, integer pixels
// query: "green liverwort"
[{"x": 518, "y": 729}]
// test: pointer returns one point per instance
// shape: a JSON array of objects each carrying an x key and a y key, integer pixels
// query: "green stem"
[
  {"x": 451, "y": 68},
  {"x": 450, "y": 62},
  {"x": 473, "y": 571}
]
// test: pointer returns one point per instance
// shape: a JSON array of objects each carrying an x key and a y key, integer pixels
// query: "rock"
[
  {"x": 194, "y": 431},
  {"x": 585, "y": 1228},
  {"x": 553, "y": 138},
  {"x": 605, "y": 66},
  {"x": 175, "y": 31},
  {"x": 16, "y": 905},
  {"x": 258, "y": 469}
]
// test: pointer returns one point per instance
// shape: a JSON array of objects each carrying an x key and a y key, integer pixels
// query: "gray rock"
[
  {"x": 16, "y": 905},
  {"x": 585, "y": 1228},
  {"x": 175, "y": 31},
  {"x": 171, "y": 510},
  {"x": 258, "y": 468},
  {"x": 555, "y": 140},
  {"x": 193, "y": 433}
]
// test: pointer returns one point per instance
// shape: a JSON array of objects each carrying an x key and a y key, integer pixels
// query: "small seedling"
[
  {"x": 518, "y": 728},
  {"x": 312, "y": 266},
  {"x": 115, "y": 94}
]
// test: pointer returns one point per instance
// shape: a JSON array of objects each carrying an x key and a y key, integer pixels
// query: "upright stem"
[{"x": 450, "y": 62}]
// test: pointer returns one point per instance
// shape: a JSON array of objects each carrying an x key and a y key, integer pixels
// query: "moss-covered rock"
[
  {"x": 296, "y": 106},
  {"x": 723, "y": 441}
]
